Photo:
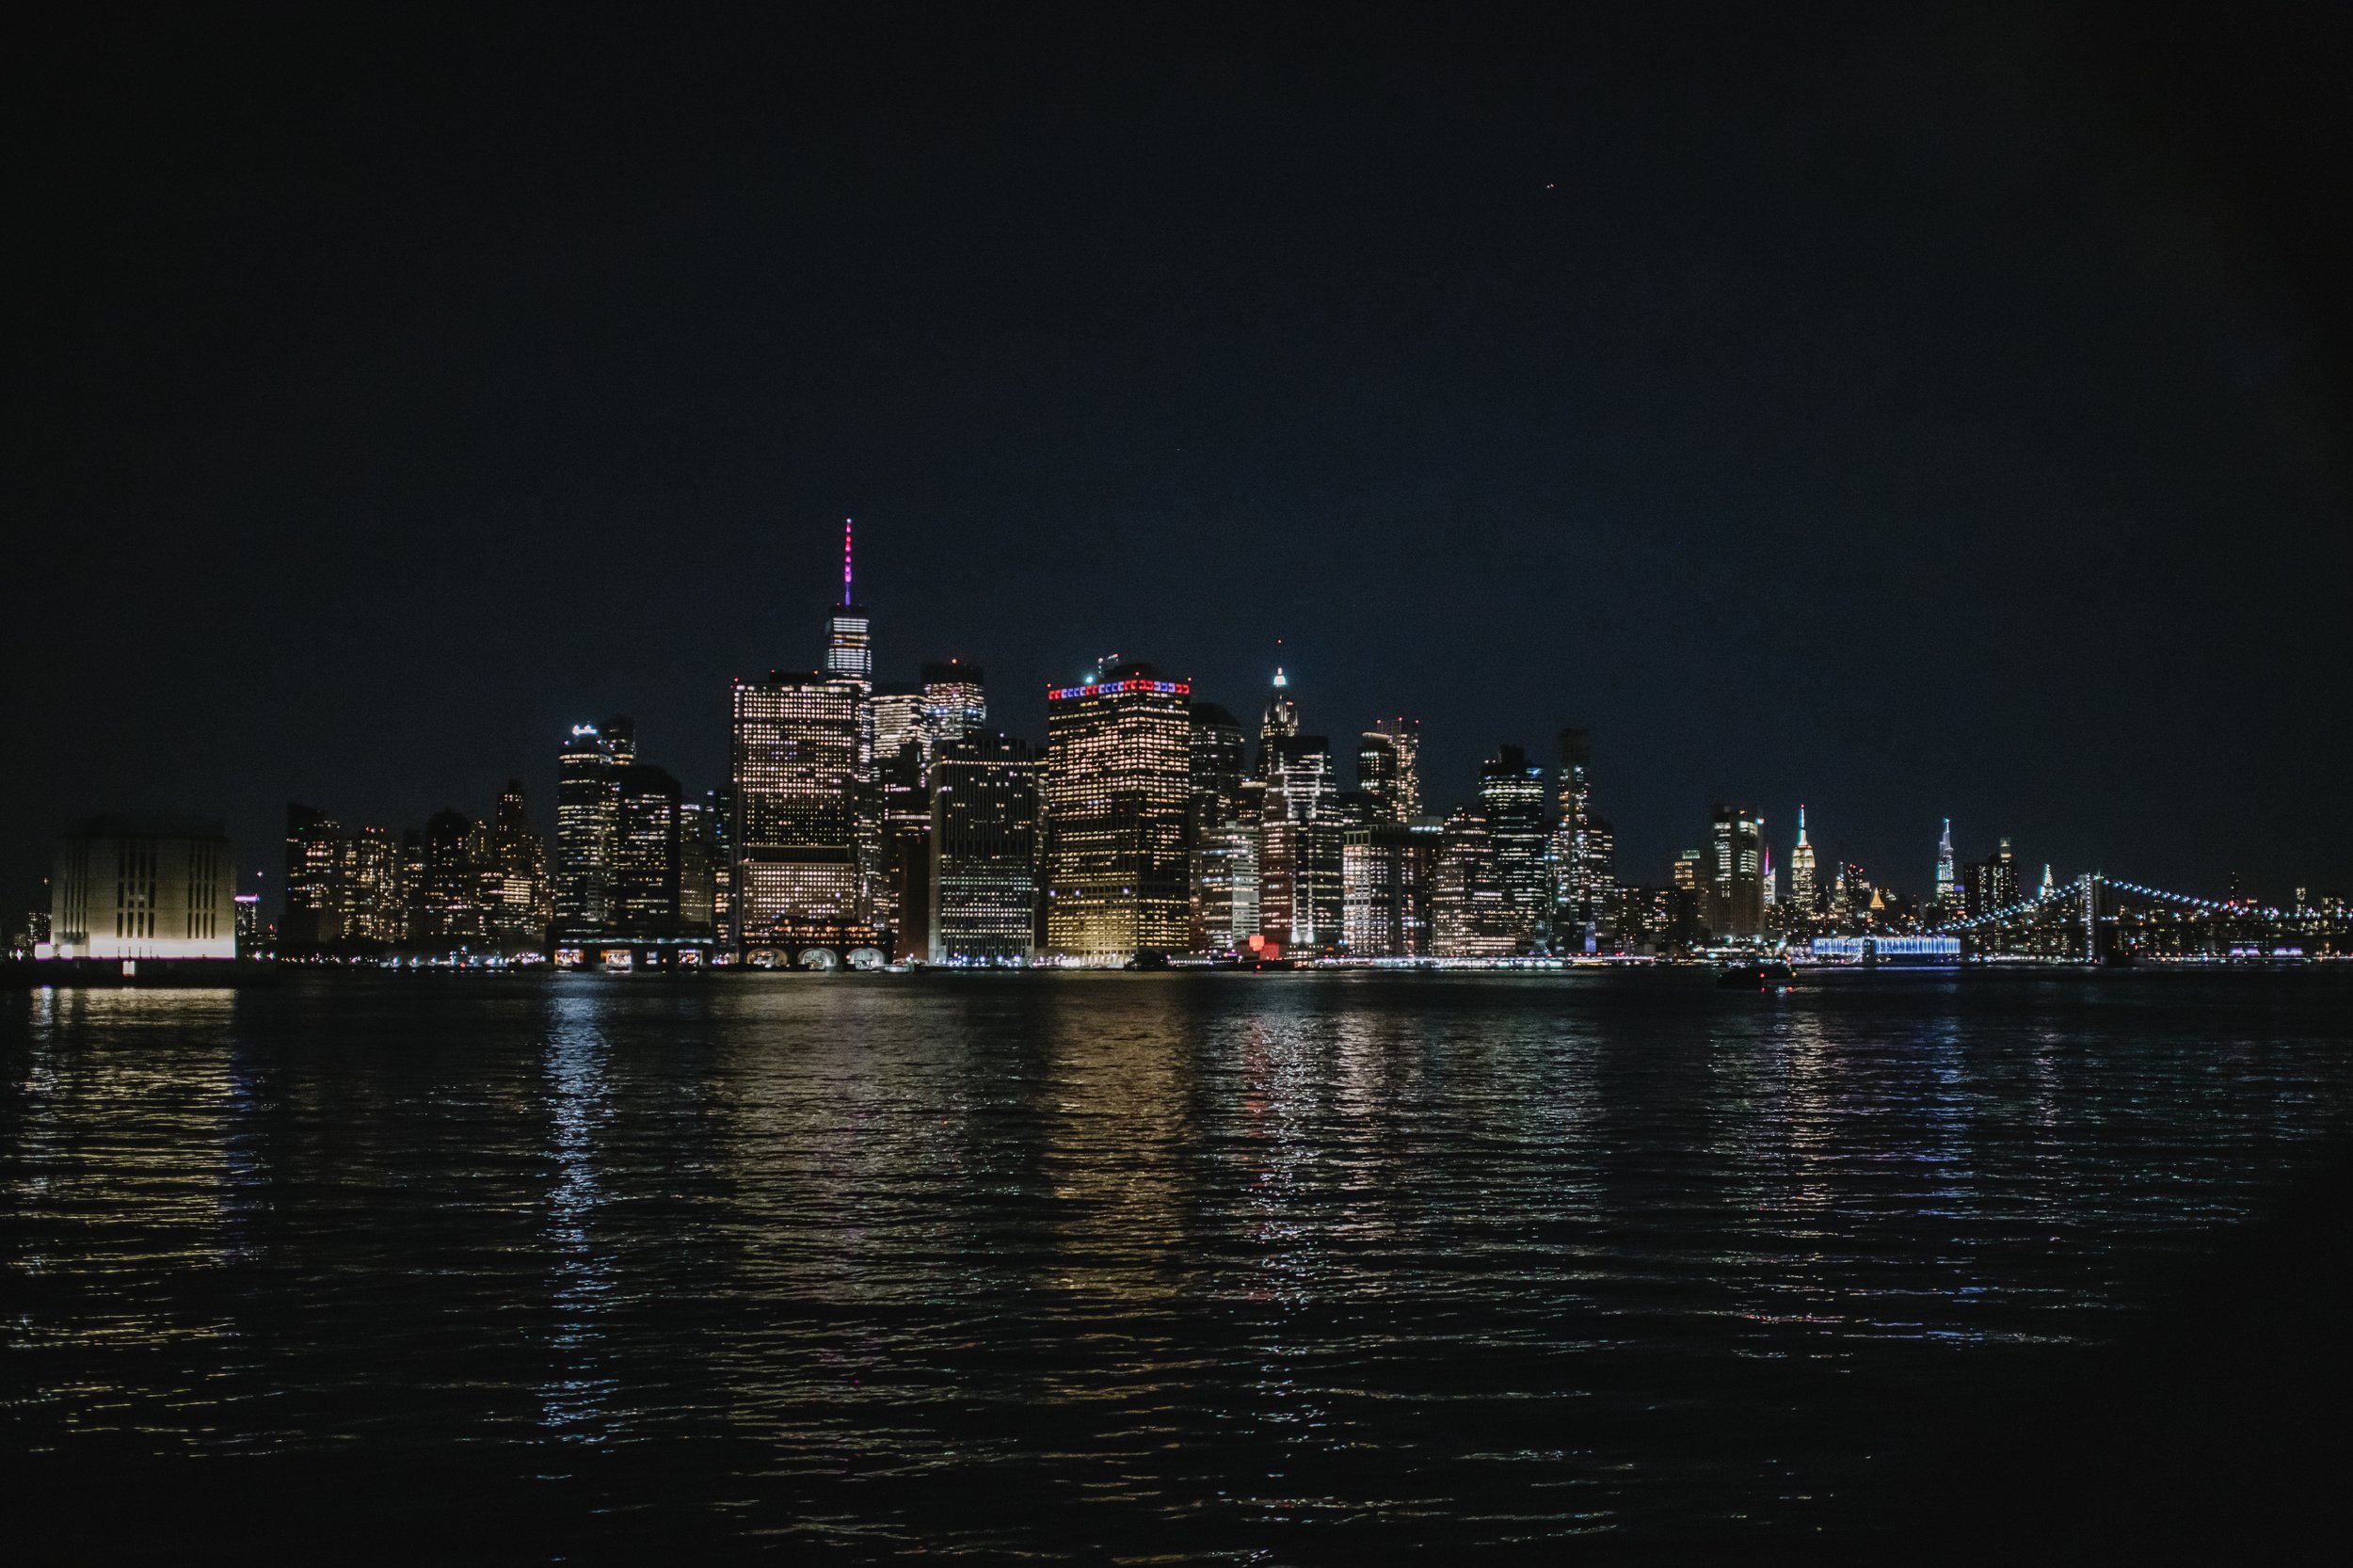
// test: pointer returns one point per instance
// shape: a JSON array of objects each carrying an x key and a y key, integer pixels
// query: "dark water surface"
[{"x": 1155, "y": 1268}]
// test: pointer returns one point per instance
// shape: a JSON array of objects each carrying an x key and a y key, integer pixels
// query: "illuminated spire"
[
  {"x": 1279, "y": 679},
  {"x": 1800, "y": 826},
  {"x": 847, "y": 598}
]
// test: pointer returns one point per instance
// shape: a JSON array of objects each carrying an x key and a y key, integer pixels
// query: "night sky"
[{"x": 1909, "y": 417}]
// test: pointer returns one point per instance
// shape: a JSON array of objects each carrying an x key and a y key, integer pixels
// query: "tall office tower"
[
  {"x": 983, "y": 884},
  {"x": 2001, "y": 877},
  {"x": 719, "y": 808},
  {"x": 1800, "y": 877},
  {"x": 1512, "y": 799},
  {"x": 1468, "y": 911},
  {"x": 521, "y": 901},
  {"x": 588, "y": 805},
  {"x": 849, "y": 641},
  {"x": 2048, "y": 886},
  {"x": 621, "y": 738},
  {"x": 1377, "y": 776},
  {"x": 1404, "y": 738},
  {"x": 646, "y": 856},
  {"x": 699, "y": 847},
  {"x": 1772, "y": 891},
  {"x": 1600, "y": 854},
  {"x": 373, "y": 904},
  {"x": 956, "y": 700},
  {"x": 1576, "y": 805},
  {"x": 899, "y": 721},
  {"x": 793, "y": 769},
  {"x": 310, "y": 919},
  {"x": 1735, "y": 873},
  {"x": 1949, "y": 892},
  {"x": 850, "y": 659},
  {"x": 1384, "y": 878},
  {"x": 903, "y": 900},
  {"x": 444, "y": 899},
  {"x": 143, "y": 888},
  {"x": 1226, "y": 886},
  {"x": 251, "y": 939},
  {"x": 1217, "y": 759},
  {"x": 1689, "y": 916},
  {"x": 1118, "y": 782},
  {"x": 1299, "y": 847},
  {"x": 1280, "y": 721}
]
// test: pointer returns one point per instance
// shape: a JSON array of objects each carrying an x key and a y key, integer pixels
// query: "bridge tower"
[{"x": 2091, "y": 916}]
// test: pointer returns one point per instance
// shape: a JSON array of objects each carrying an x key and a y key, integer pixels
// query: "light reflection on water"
[{"x": 1177, "y": 1265}]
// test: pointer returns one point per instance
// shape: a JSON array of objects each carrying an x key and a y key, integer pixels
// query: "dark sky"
[{"x": 1909, "y": 416}]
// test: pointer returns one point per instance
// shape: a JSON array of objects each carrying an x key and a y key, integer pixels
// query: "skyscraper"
[
  {"x": 1214, "y": 831},
  {"x": 1299, "y": 845},
  {"x": 1575, "y": 793},
  {"x": 1280, "y": 720},
  {"x": 1398, "y": 799},
  {"x": 1948, "y": 891},
  {"x": 1469, "y": 916},
  {"x": 903, "y": 900},
  {"x": 1386, "y": 874},
  {"x": 587, "y": 819},
  {"x": 520, "y": 901},
  {"x": 982, "y": 889},
  {"x": 1512, "y": 800},
  {"x": 647, "y": 855},
  {"x": 1800, "y": 877},
  {"x": 1735, "y": 873},
  {"x": 850, "y": 660},
  {"x": 956, "y": 700},
  {"x": 1118, "y": 782},
  {"x": 793, "y": 768}
]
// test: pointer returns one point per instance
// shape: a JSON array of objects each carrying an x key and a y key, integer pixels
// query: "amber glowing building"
[
  {"x": 1117, "y": 787},
  {"x": 793, "y": 769}
]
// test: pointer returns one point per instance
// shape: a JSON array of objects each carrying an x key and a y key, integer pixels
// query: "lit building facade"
[
  {"x": 1118, "y": 787},
  {"x": 1399, "y": 799},
  {"x": 1512, "y": 802},
  {"x": 1386, "y": 871},
  {"x": 647, "y": 853},
  {"x": 587, "y": 824},
  {"x": 133, "y": 887},
  {"x": 793, "y": 773},
  {"x": 983, "y": 838},
  {"x": 1801, "y": 879},
  {"x": 1950, "y": 897},
  {"x": 1735, "y": 873}
]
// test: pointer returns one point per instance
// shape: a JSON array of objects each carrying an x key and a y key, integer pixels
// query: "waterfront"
[{"x": 1205, "y": 1266}]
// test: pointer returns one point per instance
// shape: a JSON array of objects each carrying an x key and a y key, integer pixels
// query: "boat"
[{"x": 1765, "y": 974}]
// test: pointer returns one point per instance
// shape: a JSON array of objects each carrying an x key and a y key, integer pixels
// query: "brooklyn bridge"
[{"x": 2098, "y": 918}]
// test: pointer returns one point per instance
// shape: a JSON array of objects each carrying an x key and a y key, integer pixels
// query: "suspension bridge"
[{"x": 2099, "y": 919}]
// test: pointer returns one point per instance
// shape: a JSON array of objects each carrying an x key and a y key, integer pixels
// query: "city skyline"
[
  {"x": 847, "y": 652},
  {"x": 1471, "y": 381}
]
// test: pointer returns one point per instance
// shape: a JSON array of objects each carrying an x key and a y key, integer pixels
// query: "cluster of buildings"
[{"x": 864, "y": 823}]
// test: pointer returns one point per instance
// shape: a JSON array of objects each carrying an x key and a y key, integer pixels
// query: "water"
[{"x": 1155, "y": 1268}]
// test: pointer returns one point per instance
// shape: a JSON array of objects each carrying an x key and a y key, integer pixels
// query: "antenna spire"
[{"x": 847, "y": 598}]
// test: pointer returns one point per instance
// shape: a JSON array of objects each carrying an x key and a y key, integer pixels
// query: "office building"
[
  {"x": 1299, "y": 846},
  {"x": 899, "y": 722},
  {"x": 1950, "y": 897},
  {"x": 902, "y": 899},
  {"x": 1469, "y": 914},
  {"x": 1386, "y": 875},
  {"x": 794, "y": 771},
  {"x": 1398, "y": 798},
  {"x": 1117, "y": 787},
  {"x": 955, "y": 701},
  {"x": 1800, "y": 878},
  {"x": 133, "y": 888},
  {"x": 520, "y": 902},
  {"x": 649, "y": 853},
  {"x": 587, "y": 825},
  {"x": 983, "y": 838},
  {"x": 1511, "y": 803},
  {"x": 1735, "y": 873}
]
